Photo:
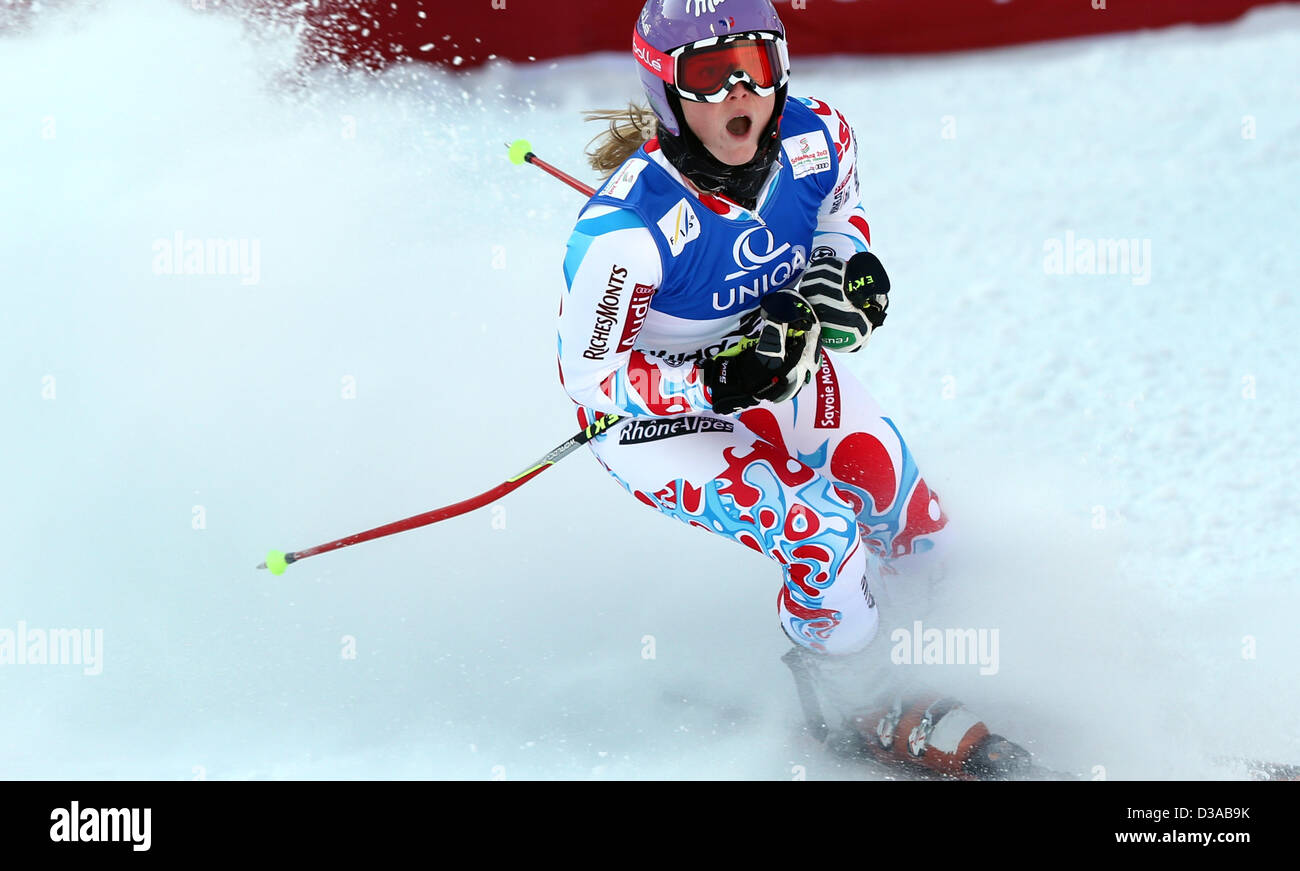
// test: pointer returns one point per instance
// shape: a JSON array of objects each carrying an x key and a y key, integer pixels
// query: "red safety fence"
[{"x": 465, "y": 33}]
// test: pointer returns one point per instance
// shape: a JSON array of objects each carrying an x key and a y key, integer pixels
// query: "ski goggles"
[{"x": 705, "y": 71}]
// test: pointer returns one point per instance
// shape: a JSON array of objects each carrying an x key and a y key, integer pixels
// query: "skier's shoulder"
[
  {"x": 645, "y": 191},
  {"x": 613, "y": 229},
  {"x": 606, "y": 234},
  {"x": 813, "y": 115},
  {"x": 602, "y": 218},
  {"x": 615, "y": 202},
  {"x": 640, "y": 182},
  {"x": 826, "y": 112}
]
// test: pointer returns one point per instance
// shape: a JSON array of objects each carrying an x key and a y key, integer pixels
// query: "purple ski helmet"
[{"x": 665, "y": 26}]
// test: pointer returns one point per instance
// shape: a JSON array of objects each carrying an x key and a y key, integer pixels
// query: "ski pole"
[
  {"x": 277, "y": 560},
  {"x": 521, "y": 152}
]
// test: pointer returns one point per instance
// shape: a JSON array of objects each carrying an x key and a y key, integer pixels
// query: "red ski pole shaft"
[
  {"x": 276, "y": 561},
  {"x": 521, "y": 152}
]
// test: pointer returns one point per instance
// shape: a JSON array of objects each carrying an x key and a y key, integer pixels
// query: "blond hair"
[{"x": 628, "y": 130}]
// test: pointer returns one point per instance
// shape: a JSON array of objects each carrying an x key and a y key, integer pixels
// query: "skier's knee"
[
  {"x": 854, "y": 634},
  {"x": 837, "y": 618}
]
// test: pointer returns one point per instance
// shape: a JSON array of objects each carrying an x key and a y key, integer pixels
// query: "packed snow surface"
[{"x": 1116, "y": 451}]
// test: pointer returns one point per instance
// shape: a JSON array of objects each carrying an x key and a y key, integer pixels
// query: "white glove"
[{"x": 850, "y": 298}]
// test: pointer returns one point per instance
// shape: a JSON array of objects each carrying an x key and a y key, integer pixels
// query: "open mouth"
[{"x": 739, "y": 126}]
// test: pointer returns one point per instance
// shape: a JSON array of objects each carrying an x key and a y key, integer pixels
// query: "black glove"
[
  {"x": 850, "y": 298},
  {"x": 773, "y": 364}
]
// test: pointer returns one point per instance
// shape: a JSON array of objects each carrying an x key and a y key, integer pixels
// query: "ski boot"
[{"x": 926, "y": 734}]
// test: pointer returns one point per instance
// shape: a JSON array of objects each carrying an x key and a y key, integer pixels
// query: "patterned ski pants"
[{"x": 822, "y": 483}]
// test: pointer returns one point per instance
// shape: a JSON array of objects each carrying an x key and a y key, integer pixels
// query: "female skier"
[{"x": 725, "y": 250}]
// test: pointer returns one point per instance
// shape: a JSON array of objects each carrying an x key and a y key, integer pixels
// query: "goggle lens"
[{"x": 709, "y": 70}]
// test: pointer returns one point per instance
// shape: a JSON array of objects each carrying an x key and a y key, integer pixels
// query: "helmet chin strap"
[{"x": 692, "y": 159}]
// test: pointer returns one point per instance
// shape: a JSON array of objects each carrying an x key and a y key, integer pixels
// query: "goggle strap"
[{"x": 653, "y": 59}]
